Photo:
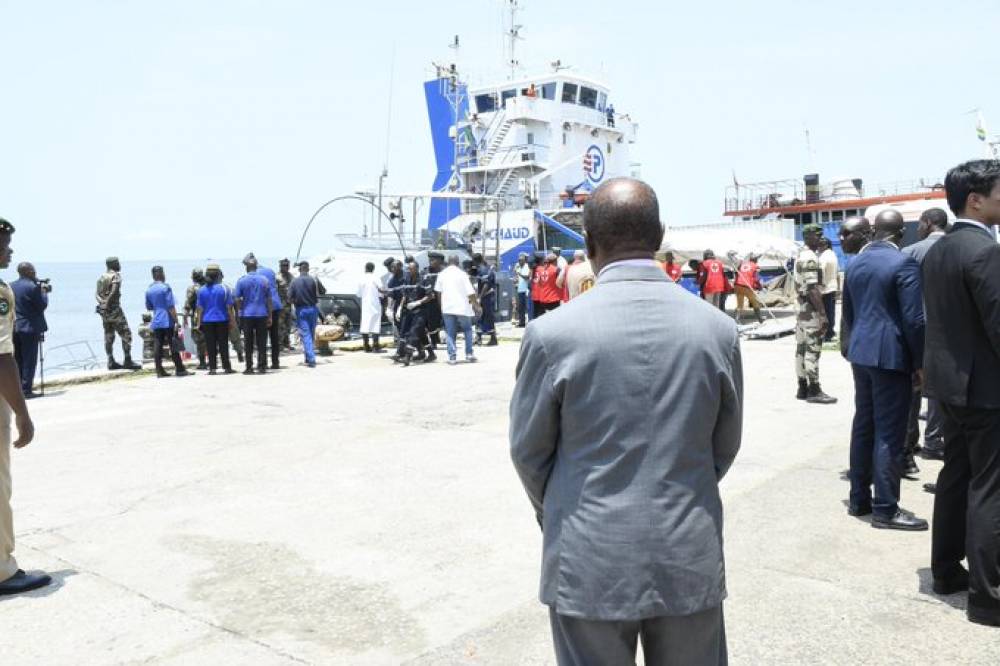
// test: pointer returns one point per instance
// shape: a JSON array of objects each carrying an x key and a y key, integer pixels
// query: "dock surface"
[{"x": 363, "y": 513}]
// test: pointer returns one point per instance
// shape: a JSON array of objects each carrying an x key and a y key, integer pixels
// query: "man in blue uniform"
[
  {"x": 31, "y": 298},
  {"x": 274, "y": 324},
  {"x": 160, "y": 301},
  {"x": 253, "y": 299},
  {"x": 304, "y": 293},
  {"x": 487, "y": 294},
  {"x": 214, "y": 316}
]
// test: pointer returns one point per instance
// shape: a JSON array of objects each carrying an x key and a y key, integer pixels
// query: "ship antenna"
[{"x": 513, "y": 34}]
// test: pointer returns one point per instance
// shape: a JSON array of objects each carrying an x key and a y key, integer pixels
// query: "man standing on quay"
[
  {"x": 160, "y": 301},
  {"x": 214, "y": 317},
  {"x": 884, "y": 341},
  {"x": 253, "y": 299},
  {"x": 304, "y": 292},
  {"x": 29, "y": 326},
  {"x": 12, "y": 579},
  {"x": 932, "y": 227},
  {"x": 627, "y": 491},
  {"x": 810, "y": 328},
  {"x": 109, "y": 306},
  {"x": 962, "y": 296}
]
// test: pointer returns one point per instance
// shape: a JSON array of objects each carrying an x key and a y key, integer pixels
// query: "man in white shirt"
[
  {"x": 831, "y": 284},
  {"x": 458, "y": 307},
  {"x": 370, "y": 295}
]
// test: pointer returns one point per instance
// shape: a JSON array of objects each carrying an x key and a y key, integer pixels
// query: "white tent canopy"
[{"x": 774, "y": 251}]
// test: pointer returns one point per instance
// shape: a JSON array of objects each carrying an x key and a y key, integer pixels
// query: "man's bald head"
[
  {"x": 621, "y": 220},
  {"x": 855, "y": 233},
  {"x": 889, "y": 226},
  {"x": 26, "y": 270}
]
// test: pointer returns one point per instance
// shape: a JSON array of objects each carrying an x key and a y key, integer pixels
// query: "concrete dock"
[{"x": 363, "y": 513}]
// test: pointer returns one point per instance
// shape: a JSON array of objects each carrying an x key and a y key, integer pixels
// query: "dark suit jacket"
[
  {"x": 29, "y": 303},
  {"x": 882, "y": 309},
  {"x": 962, "y": 295}
]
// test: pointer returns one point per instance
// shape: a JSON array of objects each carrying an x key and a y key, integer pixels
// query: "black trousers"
[
  {"x": 830, "y": 305},
  {"x": 217, "y": 343},
  {"x": 26, "y": 355},
  {"x": 274, "y": 333},
  {"x": 164, "y": 338},
  {"x": 967, "y": 504},
  {"x": 255, "y": 337},
  {"x": 542, "y": 308}
]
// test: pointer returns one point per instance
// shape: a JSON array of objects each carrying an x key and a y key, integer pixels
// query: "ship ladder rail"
[{"x": 78, "y": 355}]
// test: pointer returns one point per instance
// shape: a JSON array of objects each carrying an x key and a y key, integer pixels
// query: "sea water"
[{"x": 75, "y": 329}]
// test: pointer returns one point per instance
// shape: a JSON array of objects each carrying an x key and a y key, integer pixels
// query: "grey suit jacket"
[
  {"x": 626, "y": 413},
  {"x": 919, "y": 249}
]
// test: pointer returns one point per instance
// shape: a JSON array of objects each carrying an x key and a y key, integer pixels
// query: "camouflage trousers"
[
  {"x": 115, "y": 322},
  {"x": 236, "y": 340},
  {"x": 286, "y": 324},
  {"x": 808, "y": 346},
  {"x": 199, "y": 342}
]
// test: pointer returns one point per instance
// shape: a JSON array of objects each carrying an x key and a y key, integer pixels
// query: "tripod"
[{"x": 41, "y": 365}]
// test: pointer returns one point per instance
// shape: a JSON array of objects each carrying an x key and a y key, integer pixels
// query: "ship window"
[
  {"x": 564, "y": 138},
  {"x": 531, "y": 137},
  {"x": 569, "y": 93},
  {"x": 825, "y": 216},
  {"x": 486, "y": 103},
  {"x": 548, "y": 91},
  {"x": 838, "y": 215},
  {"x": 588, "y": 97},
  {"x": 506, "y": 95},
  {"x": 602, "y": 101}
]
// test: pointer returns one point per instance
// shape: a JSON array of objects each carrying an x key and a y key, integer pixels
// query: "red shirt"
[
  {"x": 545, "y": 280},
  {"x": 714, "y": 276},
  {"x": 749, "y": 275},
  {"x": 673, "y": 271}
]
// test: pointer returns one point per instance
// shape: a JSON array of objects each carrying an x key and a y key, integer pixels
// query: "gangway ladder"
[{"x": 497, "y": 141}]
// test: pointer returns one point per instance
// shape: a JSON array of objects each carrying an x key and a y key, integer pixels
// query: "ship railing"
[{"x": 774, "y": 194}]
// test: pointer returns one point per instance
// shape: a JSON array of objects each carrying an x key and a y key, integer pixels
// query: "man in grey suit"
[
  {"x": 932, "y": 228},
  {"x": 627, "y": 412}
]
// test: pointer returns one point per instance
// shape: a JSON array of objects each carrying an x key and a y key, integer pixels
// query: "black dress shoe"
[
  {"x": 911, "y": 470},
  {"x": 959, "y": 582},
  {"x": 988, "y": 616},
  {"x": 24, "y": 582},
  {"x": 932, "y": 452},
  {"x": 858, "y": 511},
  {"x": 903, "y": 520}
]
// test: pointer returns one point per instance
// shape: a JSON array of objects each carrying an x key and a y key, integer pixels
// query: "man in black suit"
[
  {"x": 884, "y": 320},
  {"x": 962, "y": 360},
  {"x": 30, "y": 299}
]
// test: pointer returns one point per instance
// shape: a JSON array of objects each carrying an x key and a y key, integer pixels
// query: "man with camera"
[{"x": 31, "y": 296}]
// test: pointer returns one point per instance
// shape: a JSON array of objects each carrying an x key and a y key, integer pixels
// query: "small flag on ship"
[{"x": 980, "y": 127}]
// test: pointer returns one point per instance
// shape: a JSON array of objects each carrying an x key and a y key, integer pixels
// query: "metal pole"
[
  {"x": 378, "y": 233},
  {"x": 414, "y": 220}
]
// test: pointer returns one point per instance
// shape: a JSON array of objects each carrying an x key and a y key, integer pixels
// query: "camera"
[{"x": 45, "y": 284}]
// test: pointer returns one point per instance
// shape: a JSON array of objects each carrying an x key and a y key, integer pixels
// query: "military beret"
[
  {"x": 812, "y": 229},
  {"x": 6, "y": 226},
  {"x": 111, "y": 260}
]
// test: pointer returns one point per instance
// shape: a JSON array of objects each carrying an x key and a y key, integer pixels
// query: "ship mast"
[{"x": 513, "y": 34}]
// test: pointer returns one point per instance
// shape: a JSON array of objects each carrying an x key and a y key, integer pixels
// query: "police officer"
[
  {"x": 255, "y": 304},
  {"x": 214, "y": 316},
  {"x": 435, "y": 319},
  {"x": 160, "y": 301},
  {"x": 13, "y": 580},
  {"x": 273, "y": 325},
  {"x": 416, "y": 300},
  {"x": 109, "y": 306},
  {"x": 487, "y": 295},
  {"x": 285, "y": 319},
  {"x": 811, "y": 323},
  {"x": 235, "y": 337},
  {"x": 190, "y": 305}
]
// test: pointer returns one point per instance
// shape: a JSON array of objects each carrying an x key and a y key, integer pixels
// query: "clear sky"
[{"x": 193, "y": 129}]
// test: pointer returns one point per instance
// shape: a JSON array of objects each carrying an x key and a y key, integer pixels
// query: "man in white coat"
[{"x": 370, "y": 294}]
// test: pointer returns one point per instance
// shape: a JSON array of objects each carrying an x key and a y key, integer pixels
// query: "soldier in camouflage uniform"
[
  {"x": 109, "y": 306},
  {"x": 811, "y": 323},
  {"x": 235, "y": 339},
  {"x": 285, "y": 318},
  {"x": 190, "y": 305}
]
